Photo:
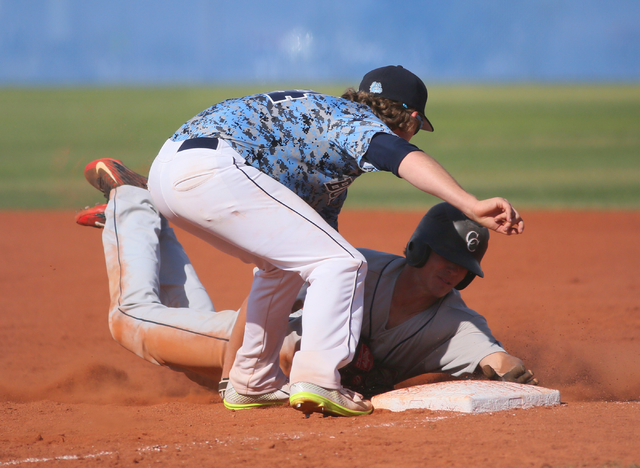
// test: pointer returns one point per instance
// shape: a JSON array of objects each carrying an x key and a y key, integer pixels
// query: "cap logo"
[
  {"x": 472, "y": 241},
  {"x": 376, "y": 87}
]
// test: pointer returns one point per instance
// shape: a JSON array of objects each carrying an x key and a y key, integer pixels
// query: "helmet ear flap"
[
  {"x": 466, "y": 281},
  {"x": 417, "y": 253}
]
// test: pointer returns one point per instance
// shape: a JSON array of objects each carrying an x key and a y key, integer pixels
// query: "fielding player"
[
  {"x": 414, "y": 321},
  {"x": 263, "y": 178}
]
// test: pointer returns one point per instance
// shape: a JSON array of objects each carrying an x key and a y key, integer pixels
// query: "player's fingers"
[
  {"x": 508, "y": 220},
  {"x": 518, "y": 374},
  {"x": 517, "y": 223},
  {"x": 509, "y": 229},
  {"x": 524, "y": 378},
  {"x": 514, "y": 228},
  {"x": 499, "y": 215},
  {"x": 490, "y": 373}
]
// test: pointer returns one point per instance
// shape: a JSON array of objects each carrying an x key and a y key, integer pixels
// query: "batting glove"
[{"x": 517, "y": 375}]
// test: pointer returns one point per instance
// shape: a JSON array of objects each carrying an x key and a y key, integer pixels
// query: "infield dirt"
[{"x": 564, "y": 296}]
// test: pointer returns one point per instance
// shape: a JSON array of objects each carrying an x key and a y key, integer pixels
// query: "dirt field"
[{"x": 565, "y": 297}]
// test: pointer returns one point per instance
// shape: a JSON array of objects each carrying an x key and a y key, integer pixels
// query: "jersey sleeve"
[
  {"x": 386, "y": 152},
  {"x": 462, "y": 353}
]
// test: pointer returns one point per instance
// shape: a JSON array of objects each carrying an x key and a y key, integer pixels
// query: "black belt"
[{"x": 199, "y": 142}]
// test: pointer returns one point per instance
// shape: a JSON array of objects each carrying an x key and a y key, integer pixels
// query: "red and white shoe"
[
  {"x": 92, "y": 216},
  {"x": 106, "y": 174}
]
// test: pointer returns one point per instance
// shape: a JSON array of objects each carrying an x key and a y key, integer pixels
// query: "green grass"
[{"x": 539, "y": 146}]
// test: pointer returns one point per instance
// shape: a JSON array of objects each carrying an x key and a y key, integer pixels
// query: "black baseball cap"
[{"x": 398, "y": 84}]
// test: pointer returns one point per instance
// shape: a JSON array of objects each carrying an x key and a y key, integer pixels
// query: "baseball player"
[
  {"x": 263, "y": 178},
  {"x": 414, "y": 321}
]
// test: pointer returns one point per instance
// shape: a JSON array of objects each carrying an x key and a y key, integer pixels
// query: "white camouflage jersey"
[{"x": 310, "y": 142}]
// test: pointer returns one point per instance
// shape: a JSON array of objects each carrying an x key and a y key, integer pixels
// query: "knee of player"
[
  {"x": 353, "y": 264},
  {"x": 116, "y": 325},
  {"x": 120, "y": 325}
]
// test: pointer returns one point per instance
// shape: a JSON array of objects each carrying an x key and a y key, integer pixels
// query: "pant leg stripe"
[
  {"x": 171, "y": 326},
  {"x": 114, "y": 200},
  {"x": 321, "y": 229},
  {"x": 289, "y": 208}
]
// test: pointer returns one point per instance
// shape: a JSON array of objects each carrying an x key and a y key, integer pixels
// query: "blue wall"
[{"x": 54, "y": 42}]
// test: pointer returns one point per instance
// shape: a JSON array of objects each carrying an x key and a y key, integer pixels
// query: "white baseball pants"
[
  {"x": 159, "y": 309},
  {"x": 214, "y": 195}
]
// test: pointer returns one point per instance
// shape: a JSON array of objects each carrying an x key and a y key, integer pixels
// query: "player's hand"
[
  {"x": 519, "y": 374},
  {"x": 499, "y": 215}
]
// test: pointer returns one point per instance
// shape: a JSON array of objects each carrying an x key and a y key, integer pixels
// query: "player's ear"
[{"x": 416, "y": 122}]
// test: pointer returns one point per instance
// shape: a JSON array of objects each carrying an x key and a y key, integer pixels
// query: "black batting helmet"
[{"x": 449, "y": 233}]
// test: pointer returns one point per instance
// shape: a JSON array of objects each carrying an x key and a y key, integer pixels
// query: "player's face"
[{"x": 440, "y": 276}]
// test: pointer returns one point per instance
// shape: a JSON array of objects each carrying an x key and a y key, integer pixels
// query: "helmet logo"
[
  {"x": 472, "y": 241},
  {"x": 376, "y": 87}
]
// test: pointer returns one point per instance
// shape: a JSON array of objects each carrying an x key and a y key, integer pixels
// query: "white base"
[{"x": 467, "y": 396}]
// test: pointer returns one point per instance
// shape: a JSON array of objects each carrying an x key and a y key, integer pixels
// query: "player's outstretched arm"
[
  {"x": 506, "y": 368},
  {"x": 426, "y": 174}
]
